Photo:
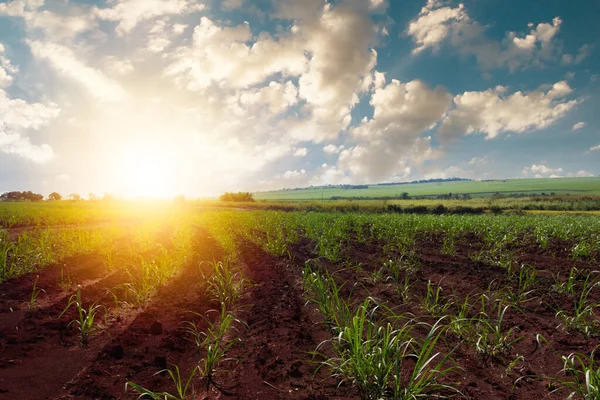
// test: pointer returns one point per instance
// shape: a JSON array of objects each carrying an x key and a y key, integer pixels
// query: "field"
[
  {"x": 575, "y": 186},
  {"x": 174, "y": 300}
]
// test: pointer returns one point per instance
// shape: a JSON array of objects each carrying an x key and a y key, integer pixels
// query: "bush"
[{"x": 241, "y": 197}]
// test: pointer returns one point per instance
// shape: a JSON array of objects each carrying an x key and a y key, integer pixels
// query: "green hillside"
[{"x": 579, "y": 186}]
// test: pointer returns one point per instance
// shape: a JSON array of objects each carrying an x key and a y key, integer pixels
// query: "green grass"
[{"x": 579, "y": 186}]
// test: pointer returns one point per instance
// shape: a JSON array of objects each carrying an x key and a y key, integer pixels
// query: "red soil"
[{"x": 40, "y": 357}]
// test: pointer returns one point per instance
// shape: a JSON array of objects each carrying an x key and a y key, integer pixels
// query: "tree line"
[{"x": 31, "y": 196}]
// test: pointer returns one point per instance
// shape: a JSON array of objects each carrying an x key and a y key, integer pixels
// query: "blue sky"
[{"x": 160, "y": 97}]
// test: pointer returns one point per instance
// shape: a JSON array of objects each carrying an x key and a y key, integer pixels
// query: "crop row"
[{"x": 373, "y": 341}]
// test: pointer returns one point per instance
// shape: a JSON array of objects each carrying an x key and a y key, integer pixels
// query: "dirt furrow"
[
  {"x": 274, "y": 357},
  {"x": 154, "y": 340}
]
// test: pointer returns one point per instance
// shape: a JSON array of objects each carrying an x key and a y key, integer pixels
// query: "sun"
[{"x": 147, "y": 172}]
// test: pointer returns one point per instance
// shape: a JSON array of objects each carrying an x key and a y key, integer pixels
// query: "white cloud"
[
  {"x": 221, "y": 55},
  {"x": 14, "y": 143},
  {"x": 341, "y": 62},
  {"x": 20, "y": 8},
  {"x": 276, "y": 97},
  {"x": 301, "y": 152},
  {"x": 378, "y": 5},
  {"x": 438, "y": 23},
  {"x": 6, "y": 68},
  {"x": 580, "y": 174},
  {"x": 476, "y": 168},
  {"x": 329, "y": 48},
  {"x": 595, "y": 148},
  {"x": 17, "y": 114},
  {"x": 329, "y": 175},
  {"x": 161, "y": 35},
  {"x": 294, "y": 174},
  {"x": 332, "y": 148},
  {"x": 434, "y": 24},
  {"x": 579, "y": 125},
  {"x": 59, "y": 26},
  {"x": 492, "y": 112},
  {"x": 63, "y": 60},
  {"x": 54, "y": 25},
  {"x": 390, "y": 142},
  {"x": 129, "y": 13},
  {"x": 542, "y": 171}
]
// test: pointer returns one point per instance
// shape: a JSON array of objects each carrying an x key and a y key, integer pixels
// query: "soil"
[{"x": 41, "y": 357}]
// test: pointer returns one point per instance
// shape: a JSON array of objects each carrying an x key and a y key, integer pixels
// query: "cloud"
[
  {"x": 332, "y": 148},
  {"x": 17, "y": 114},
  {"x": 329, "y": 175},
  {"x": 390, "y": 142},
  {"x": 301, "y": 152},
  {"x": 6, "y": 69},
  {"x": 582, "y": 54},
  {"x": 438, "y": 23},
  {"x": 54, "y": 25},
  {"x": 579, "y": 125},
  {"x": 342, "y": 60},
  {"x": 129, "y": 13},
  {"x": 492, "y": 112},
  {"x": 221, "y": 55},
  {"x": 294, "y": 174},
  {"x": 580, "y": 174},
  {"x": 542, "y": 171},
  {"x": 20, "y": 8},
  {"x": 14, "y": 143},
  {"x": 595, "y": 148},
  {"x": 475, "y": 168},
  {"x": 328, "y": 48},
  {"x": 59, "y": 26},
  {"x": 64, "y": 61},
  {"x": 276, "y": 97},
  {"x": 434, "y": 25}
]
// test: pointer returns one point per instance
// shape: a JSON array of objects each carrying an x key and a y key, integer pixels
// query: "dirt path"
[{"x": 274, "y": 356}]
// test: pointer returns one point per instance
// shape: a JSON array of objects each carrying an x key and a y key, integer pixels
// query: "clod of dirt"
[
  {"x": 156, "y": 328},
  {"x": 117, "y": 352},
  {"x": 295, "y": 370},
  {"x": 161, "y": 362}
]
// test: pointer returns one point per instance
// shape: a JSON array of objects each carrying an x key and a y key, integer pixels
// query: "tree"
[
  {"x": 246, "y": 197},
  {"x": 92, "y": 197},
  {"x": 21, "y": 196},
  {"x": 54, "y": 196},
  {"x": 74, "y": 197}
]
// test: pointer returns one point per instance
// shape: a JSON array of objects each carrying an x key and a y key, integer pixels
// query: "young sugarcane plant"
[
  {"x": 213, "y": 343},
  {"x": 181, "y": 386},
  {"x": 86, "y": 317},
  {"x": 34, "y": 294},
  {"x": 216, "y": 345}
]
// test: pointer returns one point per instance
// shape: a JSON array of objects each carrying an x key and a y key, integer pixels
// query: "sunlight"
[{"x": 147, "y": 172}]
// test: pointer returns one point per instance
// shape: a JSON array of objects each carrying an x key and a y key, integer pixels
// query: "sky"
[{"x": 197, "y": 97}]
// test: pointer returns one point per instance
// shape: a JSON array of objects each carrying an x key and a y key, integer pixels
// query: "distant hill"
[{"x": 440, "y": 188}]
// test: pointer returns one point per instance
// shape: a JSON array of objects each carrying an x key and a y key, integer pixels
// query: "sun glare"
[{"x": 147, "y": 172}]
